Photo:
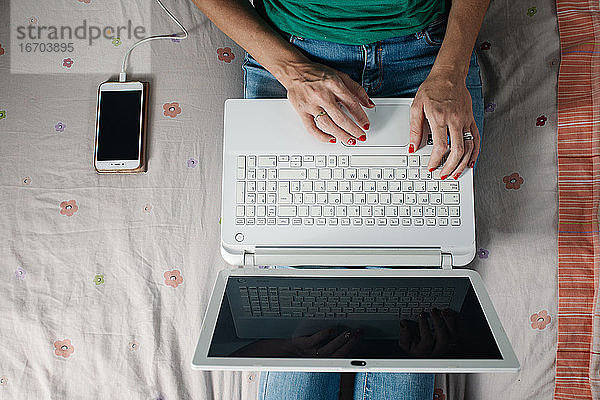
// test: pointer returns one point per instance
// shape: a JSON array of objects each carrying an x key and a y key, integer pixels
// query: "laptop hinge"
[
  {"x": 349, "y": 256},
  {"x": 446, "y": 261},
  {"x": 248, "y": 259}
]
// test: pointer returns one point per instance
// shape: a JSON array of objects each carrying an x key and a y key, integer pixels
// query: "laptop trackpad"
[{"x": 390, "y": 125}]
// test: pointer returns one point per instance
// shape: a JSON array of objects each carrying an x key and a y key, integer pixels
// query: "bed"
[{"x": 104, "y": 279}]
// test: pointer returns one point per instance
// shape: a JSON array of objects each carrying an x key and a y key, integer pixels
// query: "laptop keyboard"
[
  {"x": 347, "y": 303},
  {"x": 341, "y": 190}
]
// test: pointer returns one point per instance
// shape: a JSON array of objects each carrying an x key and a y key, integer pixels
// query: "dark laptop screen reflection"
[{"x": 370, "y": 318}]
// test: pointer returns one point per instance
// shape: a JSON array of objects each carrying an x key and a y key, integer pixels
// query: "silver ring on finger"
[
  {"x": 467, "y": 136},
  {"x": 316, "y": 117}
]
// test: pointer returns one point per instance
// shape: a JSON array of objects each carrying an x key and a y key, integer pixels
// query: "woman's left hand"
[
  {"x": 444, "y": 100},
  {"x": 417, "y": 339}
]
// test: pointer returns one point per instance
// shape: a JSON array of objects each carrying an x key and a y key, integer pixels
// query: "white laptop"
[{"x": 290, "y": 200}]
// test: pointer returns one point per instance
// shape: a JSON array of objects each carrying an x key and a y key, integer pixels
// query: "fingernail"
[
  {"x": 456, "y": 176},
  {"x": 431, "y": 169},
  {"x": 332, "y": 140},
  {"x": 366, "y": 127},
  {"x": 363, "y": 138},
  {"x": 471, "y": 164},
  {"x": 347, "y": 334},
  {"x": 411, "y": 148},
  {"x": 351, "y": 141},
  {"x": 443, "y": 177},
  {"x": 371, "y": 103}
]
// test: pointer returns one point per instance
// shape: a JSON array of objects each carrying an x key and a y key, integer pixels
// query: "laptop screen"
[{"x": 369, "y": 318}]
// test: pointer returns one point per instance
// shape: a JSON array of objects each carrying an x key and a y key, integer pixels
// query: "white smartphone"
[{"x": 121, "y": 127}]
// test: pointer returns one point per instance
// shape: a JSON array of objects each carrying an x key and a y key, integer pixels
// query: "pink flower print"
[
  {"x": 20, "y": 273},
  {"x": 438, "y": 394},
  {"x": 32, "y": 20},
  {"x": 84, "y": 1},
  {"x": 225, "y": 54},
  {"x": 540, "y": 320},
  {"x": 483, "y": 253},
  {"x": 192, "y": 162},
  {"x": 1, "y": 50},
  {"x": 513, "y": 181},
  {"x": 485, "y": 46},
  {"x": 133, "y": 345},
  {"x": 541, "y": 120},
  {"x": 60, "y": 127},
  {"x": 3, "y": 381},
  {"x": 147, "y": 208},
  {"x": 490, "y": 107},
  {"x": 68, "y": 208},
  {"x": 63, "y": 348},
  {"x": 173, "y": 278},
  {"x": 68, "y": 62},
  {"x": 171, "y": 109},
  {"x": 26, "y": 180}
]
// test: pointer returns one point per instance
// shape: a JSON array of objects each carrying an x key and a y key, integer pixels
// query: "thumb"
[
  {"x": 417, "y": 115},
  {"x": 357, "y": 90}
]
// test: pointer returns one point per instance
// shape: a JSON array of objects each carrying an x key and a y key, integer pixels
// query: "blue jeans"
[
  {"x": 326, "y": 386},
  {"x": 393, "y": 67}
]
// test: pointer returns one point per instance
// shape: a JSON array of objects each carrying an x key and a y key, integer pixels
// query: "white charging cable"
[{"x": 183, "y": 35}]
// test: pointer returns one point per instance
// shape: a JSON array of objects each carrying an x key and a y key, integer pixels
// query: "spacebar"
[
  {"x": 370, "y": 316},
  {"x": 377, "y": 161}
]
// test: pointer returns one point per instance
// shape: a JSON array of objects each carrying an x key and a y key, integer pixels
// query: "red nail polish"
[
  {"x": 443, "y": 177},
  {"x": 456, "y": 176},
  {"x": 411, "y": 148},
  {"x": 471, "y": 164},
  {"x": 351, "y": 141},
  {"x": 332, "y": 140},
  {"x": 363, "y": 138},
  {"x": 431, "y": 169},
  {"x": 366, "y": 127},
  {"x": 371, "y": 103}
]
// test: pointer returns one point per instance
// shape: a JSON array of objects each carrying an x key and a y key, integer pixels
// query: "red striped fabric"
[{"x": 578, "y": 349}]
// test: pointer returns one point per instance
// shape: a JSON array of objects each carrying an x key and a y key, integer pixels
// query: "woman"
[{"x": 324, "y": 53}]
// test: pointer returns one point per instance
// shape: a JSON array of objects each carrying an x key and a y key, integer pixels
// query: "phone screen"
[{"x": 119, "y": 125}]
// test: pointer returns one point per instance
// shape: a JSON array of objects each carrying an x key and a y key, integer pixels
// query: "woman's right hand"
[
  {"x": 315, "y": 89},
  {"x": 312, "y": 88},
  {"x": 325, "y": 343}
]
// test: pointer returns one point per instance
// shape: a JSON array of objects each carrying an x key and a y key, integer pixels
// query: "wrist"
[
  {"x": 455, "y": 73},
  {"x": 289, "y": 71}
]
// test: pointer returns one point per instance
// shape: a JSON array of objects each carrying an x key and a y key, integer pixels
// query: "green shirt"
[{"x": 353, "y": 22}]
